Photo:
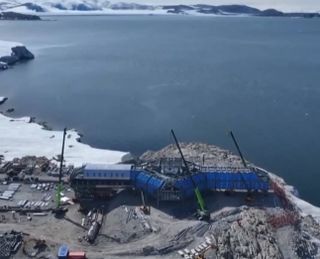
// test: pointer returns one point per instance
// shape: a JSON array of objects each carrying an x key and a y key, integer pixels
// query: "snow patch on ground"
[
  {"x": 5, "y": 47},
  {"x": 20, "y": 138},
  {"x": 305, "y": 207}
]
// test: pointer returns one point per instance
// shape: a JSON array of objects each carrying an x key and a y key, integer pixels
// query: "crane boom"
[
  {"x": 60, "y": 169},
  {"x": 238, "y": 148}
]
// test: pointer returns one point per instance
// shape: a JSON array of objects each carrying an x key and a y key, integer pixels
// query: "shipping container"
[
  {"x": 77, "y": 255},
  {"x": 63, "y": 252}
]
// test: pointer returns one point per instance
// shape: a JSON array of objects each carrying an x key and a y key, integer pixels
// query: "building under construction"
[{"x": 167, "y": 180}]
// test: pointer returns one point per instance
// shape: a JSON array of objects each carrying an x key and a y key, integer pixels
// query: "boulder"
[
  {"x": 3, "y": 100},
  {"x": 22, "y": 53},
  {"x": 3, "y": 66}
]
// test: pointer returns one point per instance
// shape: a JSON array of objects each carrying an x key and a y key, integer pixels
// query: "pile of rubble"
[{"x": 21, "y": 168}]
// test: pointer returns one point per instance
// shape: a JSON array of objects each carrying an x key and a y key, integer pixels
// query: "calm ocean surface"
[{"x": 125, "y": 81}]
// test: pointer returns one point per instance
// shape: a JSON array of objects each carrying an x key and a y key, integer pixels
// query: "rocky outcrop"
[
  {"x": 246, "y": 235},
  {"x": 233, "y": 10},
  {"x": 9, "y": 60},
  {"x": 22, "y": 53},
  {"x": 17, "y": 16},
  {"x": 19, "y": 53},
  {"x": 199, "y": 153},
  {"x": 3, "y": 100},
  {"x": 3, "y": 66}
]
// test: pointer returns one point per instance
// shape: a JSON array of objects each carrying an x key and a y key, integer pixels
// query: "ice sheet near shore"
[
  {"x": 5, "y": 47},
  {"x": 20, "y": 138}
]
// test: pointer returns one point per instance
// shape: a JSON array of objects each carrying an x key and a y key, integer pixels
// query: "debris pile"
[
  {"x": 20, "y": 169},
  {"x": 33, "y": 247}
]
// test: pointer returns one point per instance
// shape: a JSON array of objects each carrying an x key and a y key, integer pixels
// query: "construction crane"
[
  {"x": 59, "y": 210},
  {"x": 202, "y": 212},
  {"x": 144, "y": 208},
  {"x": 249, "y": 196}
]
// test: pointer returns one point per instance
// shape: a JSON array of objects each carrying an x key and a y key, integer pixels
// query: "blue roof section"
[
  {"x": 148, "y": 183},
  {"x": 204, "y": 181}
]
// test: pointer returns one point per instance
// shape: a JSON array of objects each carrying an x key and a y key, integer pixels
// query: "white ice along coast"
[
  {"x": 19, "y": 138},
  {"x": 5, "y": 47}
]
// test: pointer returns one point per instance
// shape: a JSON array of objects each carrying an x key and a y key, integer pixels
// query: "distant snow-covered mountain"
[{"x": 108, "y": 7}]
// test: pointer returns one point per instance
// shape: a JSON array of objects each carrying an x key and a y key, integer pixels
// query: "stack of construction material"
[
  {"x": 8, "y": 194},
  {"x": 94, "y": 220},
  {"x": 9, "y": 243}
]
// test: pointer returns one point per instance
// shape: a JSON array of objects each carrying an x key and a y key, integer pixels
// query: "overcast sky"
[{"x": 284, "y": 5}]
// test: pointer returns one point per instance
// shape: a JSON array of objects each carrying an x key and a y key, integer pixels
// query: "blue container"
[{"x": 63, "y": 252}]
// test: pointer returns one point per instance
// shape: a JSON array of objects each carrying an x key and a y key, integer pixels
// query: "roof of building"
[{"x": 117, "y": 167}]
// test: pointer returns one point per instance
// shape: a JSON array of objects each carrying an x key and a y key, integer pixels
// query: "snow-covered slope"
[
  {"x": 43, "y": 7},
  {"x": 62, "y": 6}
]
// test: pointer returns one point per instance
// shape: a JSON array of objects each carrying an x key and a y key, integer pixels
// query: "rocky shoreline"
[
  {"x": 13, "y": 16},
  {"x": 18, "y": 54}
]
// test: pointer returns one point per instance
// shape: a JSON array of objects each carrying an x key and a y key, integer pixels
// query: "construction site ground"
[
  {"x": 122, "y": 235},
  {"x": 261, "y": 227}
]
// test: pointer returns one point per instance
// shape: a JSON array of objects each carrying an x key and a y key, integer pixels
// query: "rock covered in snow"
[
  {"x": 12, "y": 52},
  {"x": 3, "y": 99}
]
